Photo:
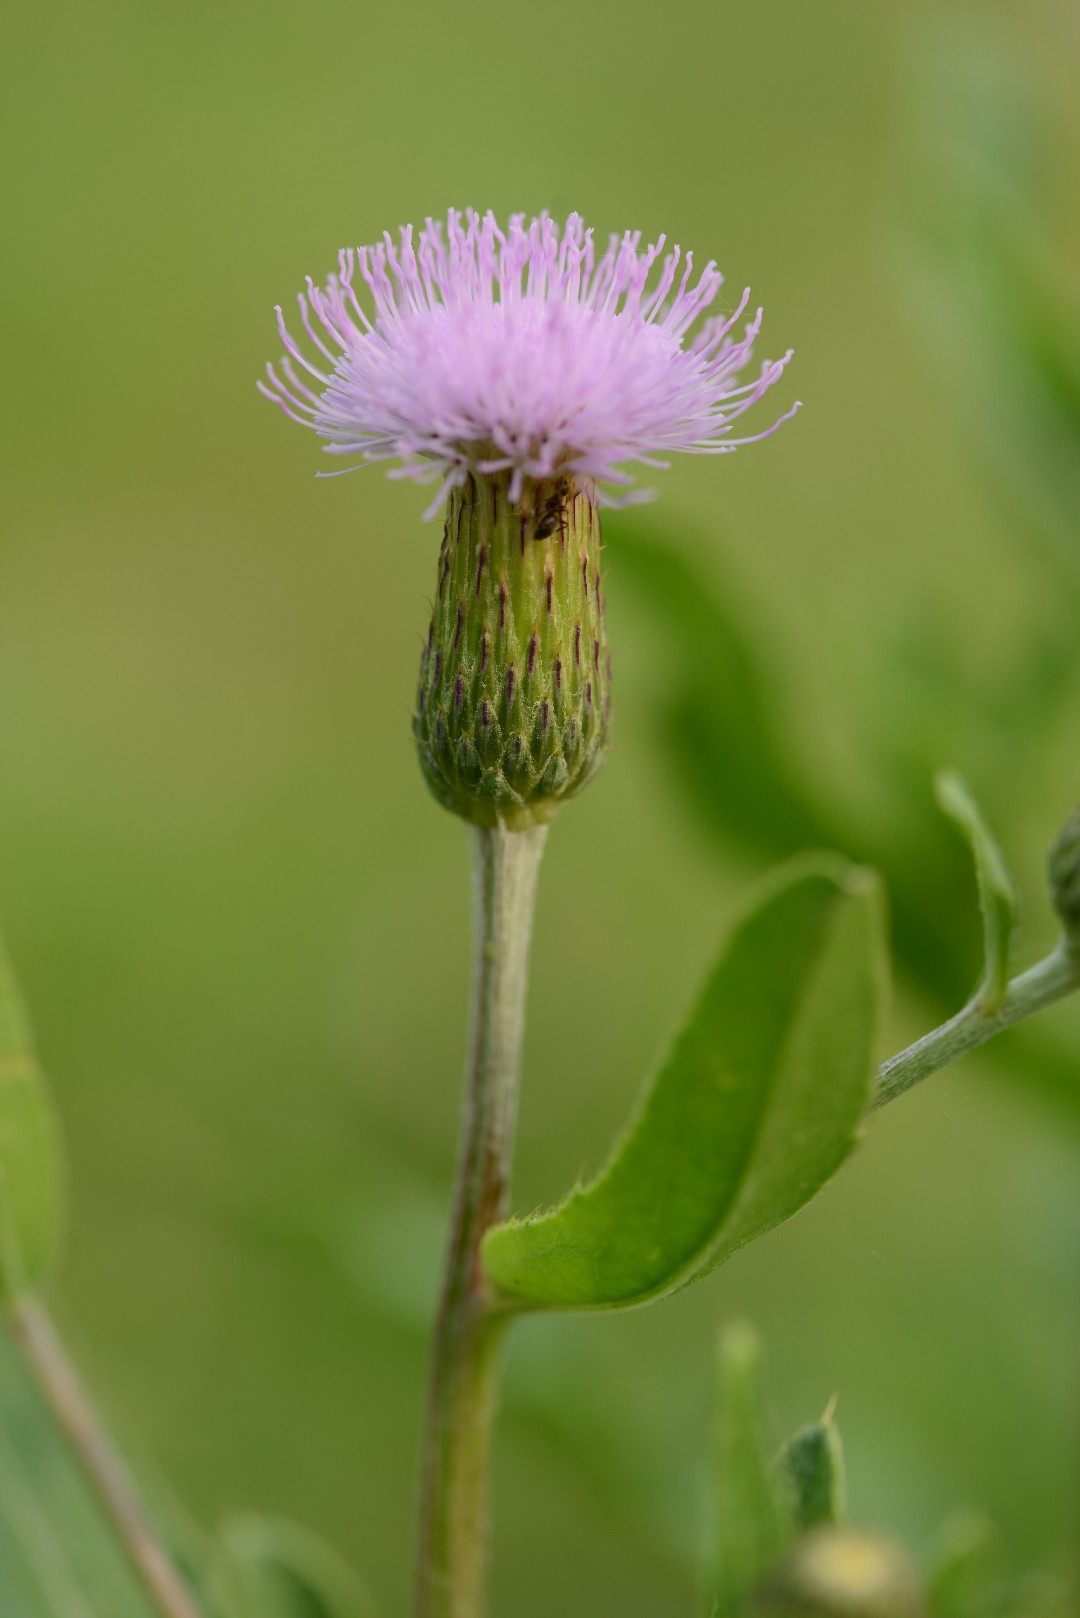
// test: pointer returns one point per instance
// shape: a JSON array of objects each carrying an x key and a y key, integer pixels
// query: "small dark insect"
[{"x": 549, "y": 515}]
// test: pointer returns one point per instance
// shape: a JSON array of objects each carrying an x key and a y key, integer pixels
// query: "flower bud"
[
  {"x": 513, "y": 703},
  {"x": 842, "y": 1573},
  {"x": 1064, "y": 867}
]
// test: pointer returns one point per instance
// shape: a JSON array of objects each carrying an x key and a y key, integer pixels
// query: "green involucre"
[
  {"x": 756, "y": 1106},
  {"x": 30, "y": 1173},
  {"x": 513, "y": 704}
]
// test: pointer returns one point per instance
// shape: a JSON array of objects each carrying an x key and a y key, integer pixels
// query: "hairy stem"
[
  {"x": 452, "y": 1554},
  {"x": 1052, "y": 979},
  {"x": 77, "y": 1419}
]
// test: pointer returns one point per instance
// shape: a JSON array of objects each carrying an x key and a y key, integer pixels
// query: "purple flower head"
[{"x": 519, "y": 351}]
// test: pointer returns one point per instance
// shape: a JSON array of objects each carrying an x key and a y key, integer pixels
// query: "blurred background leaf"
[
  {"x": 730, "y": 775},
  {"x": 811, "y": 1467},
  {"x": 30, "y": 1175},
  {"x": 998, "y": 309},
  {"x": 273, "y": 1569},
  {"x": 749, "y": 1532},
  {"x": 58, "y": 1558},
  {"x": 965, "y": 1573}
]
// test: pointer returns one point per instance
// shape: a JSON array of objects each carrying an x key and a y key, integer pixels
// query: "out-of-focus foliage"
[
  {"x": 1001, "y": 315},
  {"x": 841, "y": 1573},
  {"x": 1065, "y": 876},
  {"x": 748, "y": 1516},
  {"x": 965, "y": 1579},
  {"x": 782, "y": 1547},
  {"x": 719, "y": 714},
  {"x": 58, "y": 1559},
  {"x": 29, "y": 1150},
  {"x": 1002, "y": 334},
  {"x": 811, "y": 1467},
  {"x": 270, "y": 1569},
  {"x": 733, "y": 777}
]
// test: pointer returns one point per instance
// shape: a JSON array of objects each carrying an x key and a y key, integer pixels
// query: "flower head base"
[
  {"x": 513, "y": 706},
  {"x": 519, "y": 352}
]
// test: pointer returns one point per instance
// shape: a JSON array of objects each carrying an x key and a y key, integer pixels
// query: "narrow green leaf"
[
  {"x": 30, "y": 1176},
  {"x": 811, "y": 1468},
  {"x": 266, "y": 1568},
  {"x": 749, "y": 1526},
  {"x": 998, "y": 899},
  {"x": 1063, "y": 870},
  {"x": 756, "y": 1106}
]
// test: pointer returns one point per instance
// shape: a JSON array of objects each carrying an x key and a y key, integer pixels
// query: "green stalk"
[
  {"x": 1051, "y": 979},
  {"x": 453, "y": 1543}
]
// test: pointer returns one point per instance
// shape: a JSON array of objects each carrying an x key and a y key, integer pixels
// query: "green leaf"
[
  {"x": 998, "y": 899},
  {"x": 749, "y": 1525},
  {"x": 756, "y": 1106},
  {"x": 30, "y": 1173},
  {"x": 267, "y": 1568},
  {"x": 811, "y": 1468}
]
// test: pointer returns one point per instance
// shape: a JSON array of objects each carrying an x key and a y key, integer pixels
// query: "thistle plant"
[{"x": 524, "y": 374}]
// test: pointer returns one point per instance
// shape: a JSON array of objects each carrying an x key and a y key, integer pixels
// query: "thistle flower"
[
  {"x": 519, "y": 351},
  {"x": 522, "y": 372}
]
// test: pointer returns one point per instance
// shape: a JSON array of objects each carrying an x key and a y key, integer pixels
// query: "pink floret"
[{"x": 486, "y": 350}]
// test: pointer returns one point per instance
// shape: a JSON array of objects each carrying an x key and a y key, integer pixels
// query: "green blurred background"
[{"x": 243, "y": 925}]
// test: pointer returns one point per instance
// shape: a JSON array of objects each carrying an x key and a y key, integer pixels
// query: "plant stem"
[
  {"x": 452, "y": 1554},
  {"x": 77, "y": 1419},
  {"x": 1053, "y": 978}
]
